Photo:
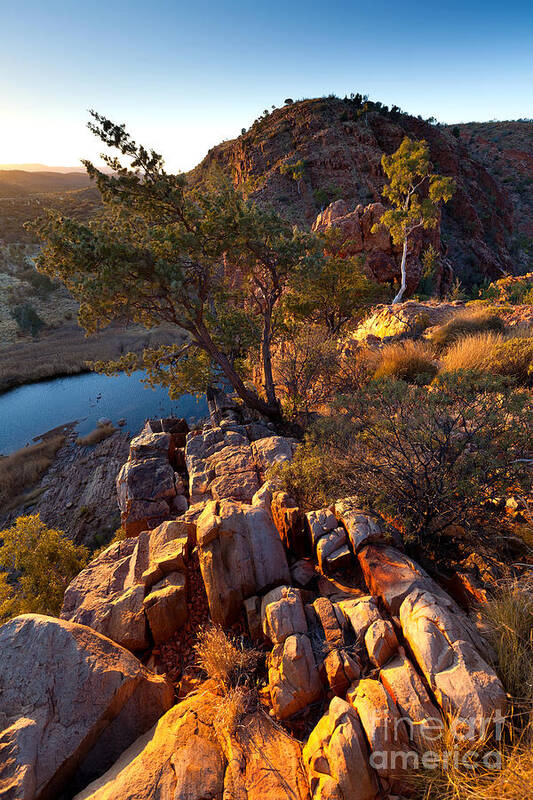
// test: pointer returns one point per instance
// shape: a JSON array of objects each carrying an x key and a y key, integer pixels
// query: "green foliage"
[
  {"x": 512, "y": 358},
  {"x": 456, "y": 292},
  {"x": 415, "y": 195},
  {"x": 305, "y": 368},
  {"x": 27, "y": 318},
  {"x": 409, "y": 171},
  {"x": 205, "y": 260},
  {"x": 296, "y": 170},
  {"x": 336, "y": 291},
  {"x": 431, "y": 262},
  {"x": 429, "y": 456},
  {"x": 40, "y": 563},
  {"x": 324, "y": 195}
]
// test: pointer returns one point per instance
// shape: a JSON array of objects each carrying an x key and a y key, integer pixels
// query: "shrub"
[
  {"x": 40, "y": 562},
  {"x": 28, "y": 319},
  {"x": 464, "y": 324},
  {"x": 224, "y": 659},
  {"x": 493, "y": 353},
  {"x": 409, "y": 361},
  {"x": 428, "y": 456},
  {"x": 305, "y": 369}
]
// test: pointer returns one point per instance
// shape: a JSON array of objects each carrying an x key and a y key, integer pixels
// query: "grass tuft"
[
  {"x": 466, "y": 323},
  {"x": 408, "y": 361},
  {"x": 98, "y": 435},
  {"x": 225, "y": 659}
]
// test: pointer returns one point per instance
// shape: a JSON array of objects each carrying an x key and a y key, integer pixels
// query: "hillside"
[
  {"x": 21, "y": 183},
  {"x": 301, "y": 157},
  {"x": 506, "y": 151}
]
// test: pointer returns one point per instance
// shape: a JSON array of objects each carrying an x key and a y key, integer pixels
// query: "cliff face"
[
  {"x": 506, "y": 151},
  {"x": 305, "y": 155}
]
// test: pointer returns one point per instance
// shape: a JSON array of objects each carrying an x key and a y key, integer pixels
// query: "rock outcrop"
[
  {"x": 240, "y": 554},
  {"x": 185, "y": 757},
  {"x": 71, "y": 701},
  {"x": 135, "y": 591},
  {"x": 348, "y": 623}
]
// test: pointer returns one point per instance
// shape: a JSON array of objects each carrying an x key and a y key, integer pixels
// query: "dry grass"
[
  {"x": 465, "y": 770},
  {"x": 22, "y": 469},
  {"x": 507, "y": 355},
  {"x": 98, "y": 435},
  {"x": 224, "y": 659},
  {"x": 481, "y": 770},
  {"x": 66, "y": 351},
  {"x": 509, "y": 620},
  {"x": 409, "y": 361},
  {"x": 466, "y": 323}
]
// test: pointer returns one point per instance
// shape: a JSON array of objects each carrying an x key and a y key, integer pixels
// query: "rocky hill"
[
  {"x": 506, "y": 151},
  {"x": 303, "y": 156}
]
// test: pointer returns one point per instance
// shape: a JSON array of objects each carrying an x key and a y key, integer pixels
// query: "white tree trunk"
[{"x": 403, "y": 286}]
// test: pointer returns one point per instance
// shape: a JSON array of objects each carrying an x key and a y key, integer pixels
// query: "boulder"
[
  {"x": 341, "y": 670},
  {"x": 303, "y": 571},
  {"x": 166, "y": 606},
  {"x": 144, "y": 488},
  {"x": 263, "y": 764},
  {"x": 462, "y": 682},
  {"x": 336, "y": 757},
  {"x": 240, "y": 555},
  {"x": 328, "y": 621},
  {"x": 406, "y": 689},
  {"x": 272, "y": 450},
  {"x": 71, "y": 702},
  {"x": 362, "y": 528},
  {"x": 359, "y": 613},
  {"x": 293, "y": 676},
  {"x": 390, "y": 753},
  {"x": 289, "y": 520},
  {"x": 328, "y": 545},
  {"x": 109, "y": 595},
  {"x": 282, "y": 614},
  {"x": 96, "y": 597},
  {"x": 381, "y": 641},
  {"x": 150, "y": 445},
  {"x": 319, "y": 523},
  {"x": 179, "y": 758}
]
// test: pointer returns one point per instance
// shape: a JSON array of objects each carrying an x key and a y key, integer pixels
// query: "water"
[{"x": 29, "y": 411}]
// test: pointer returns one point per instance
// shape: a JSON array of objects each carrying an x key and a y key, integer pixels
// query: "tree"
[
  {"x": 41, "y": 562},
  {"x": 428, "y": 456},
  {"x": 333, "y": 294},
  {"x": 415, "y": 194},
  {"x": 203, "y": 259}
]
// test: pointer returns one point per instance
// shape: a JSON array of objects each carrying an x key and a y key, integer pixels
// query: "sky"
[{"x": 183, "y": 76}]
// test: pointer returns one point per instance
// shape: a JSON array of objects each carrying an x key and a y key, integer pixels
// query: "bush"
[
  {"x": 40, "y": 563},
  {"x": 305, "y": 369},
  {"x": 428, "y": 456},
  {"x": 493, "y": 354},
  {"x": 408, "y": 361},
  {"x": 28, "y": 319},
  {"x": 225, "y": 660},
  {"x": 466, "y": 323}
]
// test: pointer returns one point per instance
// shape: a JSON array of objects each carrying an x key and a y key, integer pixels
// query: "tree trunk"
[
  {"x": 403, "y": 286},
  {"x": 266, "y": 361},
  {"x": 251, "y": 399}
]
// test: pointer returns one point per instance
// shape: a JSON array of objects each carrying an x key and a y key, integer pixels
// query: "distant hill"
[
  {"x": 40, "y": 168},
  {"x": 336, "y": 147},
  {"x": 22, "y": 183}
]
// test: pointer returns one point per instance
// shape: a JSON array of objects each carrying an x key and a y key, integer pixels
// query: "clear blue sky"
[{"x": 185, "y": 75}]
